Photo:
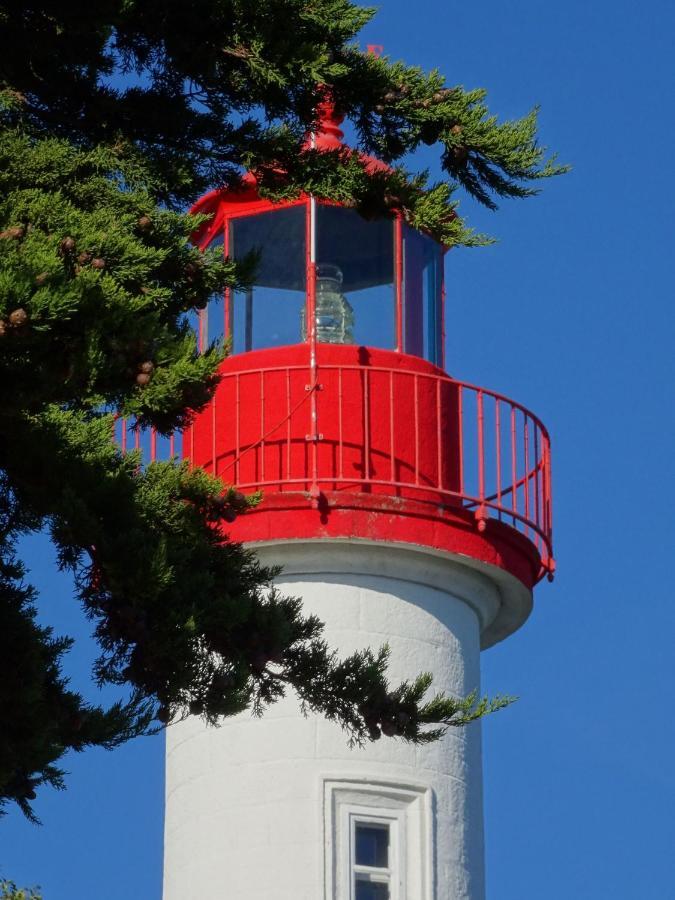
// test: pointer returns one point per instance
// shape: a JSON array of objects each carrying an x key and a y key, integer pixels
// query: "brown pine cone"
[
  {"x": 16, "y": 232},
  {"x": 18, "y": 318},
  {"x": 460, "y": 154}
]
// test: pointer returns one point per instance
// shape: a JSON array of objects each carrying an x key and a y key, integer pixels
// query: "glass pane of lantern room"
[
  {"x": 423, "y": 296},
  {"x": 269, "y": 314},
  {"x": 355, "y": 278},
  {"x": 211, "y": 328}
]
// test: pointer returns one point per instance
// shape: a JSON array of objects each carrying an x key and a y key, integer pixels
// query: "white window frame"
[
  {"x": 405, "y": 809},
  {"x": 392, "y": 875}
]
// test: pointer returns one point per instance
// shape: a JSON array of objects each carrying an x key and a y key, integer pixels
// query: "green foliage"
[
  {"x": 97, "y": 279},
  {"x": 9, "y": 891},
  {"x": 225, "y": 86}
]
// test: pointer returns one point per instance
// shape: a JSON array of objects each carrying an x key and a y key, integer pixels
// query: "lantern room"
[
  {"x": 334, "y": 401},
  {"x": 376, "y": 283}
]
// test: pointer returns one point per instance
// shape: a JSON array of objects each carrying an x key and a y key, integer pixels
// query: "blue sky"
[{"x": 570, "y": 313}]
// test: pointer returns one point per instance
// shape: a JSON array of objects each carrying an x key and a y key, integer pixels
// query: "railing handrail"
[{"x": 438, "y": 376}]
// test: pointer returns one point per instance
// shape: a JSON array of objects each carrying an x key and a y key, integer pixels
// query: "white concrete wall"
[{"x": 245, "y": 802}]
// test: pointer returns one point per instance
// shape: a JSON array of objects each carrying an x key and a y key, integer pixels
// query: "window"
[
  {"x": 355, "y": 262},
  {"x": 373, "y": 862},
  {"x": 423, "y": 297},
  {"x": 270, "y": 313},
  {"x": 378, "y": 841}
]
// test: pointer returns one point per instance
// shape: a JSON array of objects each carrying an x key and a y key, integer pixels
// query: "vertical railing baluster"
[
  {"x": 340, "y": 466},
  {"x": 237, "y": 433},
  {"x": 526, "y": 452},
  {"x": 481, "y": 448},
  {"x": 288, "y": 425},
  {"x": 366, "y": 423},
  {"x": 514, "y": 466},
  {"x": 262, "y": 425},
  {"x": 416, "y": 412},
  {"x": 498, "y": 454},
  {"x": 203, "y": 326},
  {"x": 439, "y": 436},
  {"x": 214, "y": 463},
  {"x": 392, "y": 454},
  {"x": 460, "y": 436},
  {"x": 537, "y": 475}
]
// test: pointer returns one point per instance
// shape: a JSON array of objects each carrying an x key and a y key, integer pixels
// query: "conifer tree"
[{"x": 113, "y": 117}]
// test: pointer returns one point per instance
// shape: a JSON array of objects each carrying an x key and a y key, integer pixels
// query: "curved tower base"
[{"x": 280, "y": 808}]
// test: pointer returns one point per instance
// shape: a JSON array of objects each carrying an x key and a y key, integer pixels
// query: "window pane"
[
  {"x": 423, "y": 280},
  {"x": 372, "y": 845},
  {"x": 371, "y": 890},
  {"x": 213, "y": 323},
  {"x": 355, "y": 261},
  {"x": 270, "y": 314}
]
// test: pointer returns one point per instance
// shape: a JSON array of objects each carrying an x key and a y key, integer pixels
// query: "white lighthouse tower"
[{"x": 405, "y": 507}]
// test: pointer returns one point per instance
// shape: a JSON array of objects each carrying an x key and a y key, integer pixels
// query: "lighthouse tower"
[{"x": 405, "y": 507}]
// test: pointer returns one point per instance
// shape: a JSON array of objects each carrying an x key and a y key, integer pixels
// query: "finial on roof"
[{"x": 329, "y": 135}]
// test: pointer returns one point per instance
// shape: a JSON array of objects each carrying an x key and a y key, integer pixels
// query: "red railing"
[{"x": 420, "y": 435}]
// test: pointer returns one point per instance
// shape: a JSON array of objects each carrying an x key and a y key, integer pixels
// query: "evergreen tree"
[{"x": 113, "y": 116}]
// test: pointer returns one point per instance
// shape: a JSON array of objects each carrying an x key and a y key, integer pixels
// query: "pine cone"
[
  {"x": 402, "y": 719},
  {"x": 3, "y": 328},
  {"x": 98, "y": 263},
  {"x": 84, "y": 258},
  {"x": 147, "y": 367},
  {"x": 145, "y": 223},
  {"x": 16, "y": 232},
  {"x": 163, "y": 715},
  {"x": 456, "y": 129},
  {"x": 18, "y": 318},
  {"x": 67, "y": 245},
  {"x": 221, "y": 683},
  {"x": 429, "y": 133},
  {"x": 389, "y": 728},
  {"x": 191, "y": 270},
  {"x": 258, "y": 662},
  {"x": 142, "y": 379},
  {"x": 41, "y": 279},
  {"x": 460, "y": 155}
]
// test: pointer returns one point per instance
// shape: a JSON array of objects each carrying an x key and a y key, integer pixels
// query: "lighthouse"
[{"x": 403, "y": 506}]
